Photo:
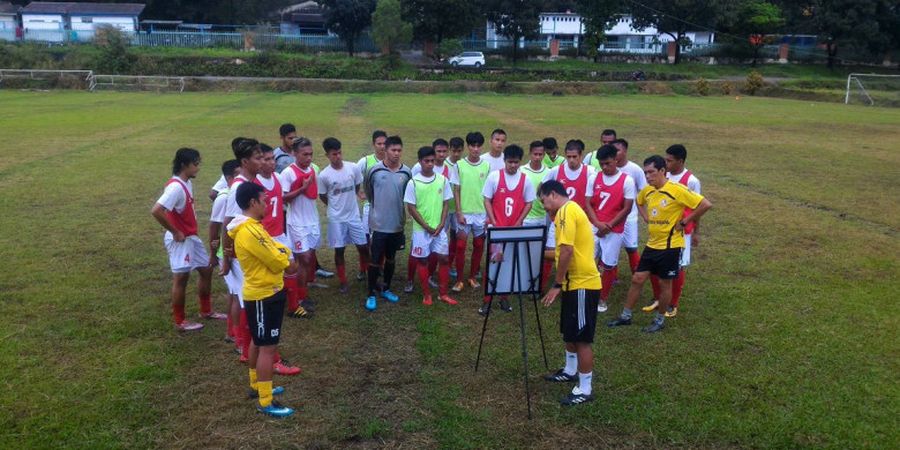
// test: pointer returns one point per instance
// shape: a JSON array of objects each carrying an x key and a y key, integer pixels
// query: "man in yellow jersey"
[
  {"x": 578, "y": 280},
  {"x": 263, "y": 261},
  {"x": 664, "y": 202}
]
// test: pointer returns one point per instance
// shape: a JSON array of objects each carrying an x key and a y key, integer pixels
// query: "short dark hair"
[
  {"x": 513, "y": 152},
  {"x": 621, "y": 141},
  {"x": 300, "y": 142},
  {"x": 475, "y": 138},
  {"x": 393, "y": 140},
  {"x": 425, "y": 152},
  {"x": 265, "y": 148},
  {"x": 331, "y": 143},
  {"x": 247, "y": 192},
  {"x": 440, "y": 142},
  {"x": 678, "y": 151},
  {"x": 575, "y": 144},
  {"x": 246, "y": 148},
  {"x": 608, "y": 132},
  {"x": 550, "y": 143},
  {"x": 535, "y": 144},
  {"x": 658, "y": 162},
  {"x": 287, "y": 129},
  {"x": 228, "y": 167},
  {"x": 377, "y": 134},
  {"x": 550, "y": 186},
  {"x": 606, "y": 152},
  {"x": 457, "y": 142},
  {"x": 184, "y": 156},
  {"x": 497, "y": 131},
  {"x": 237, "y": 142}
]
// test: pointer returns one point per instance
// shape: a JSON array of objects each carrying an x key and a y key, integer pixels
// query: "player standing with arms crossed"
[
  {"x": 665, "y": 203},
  {"x": 468, "y": 182}
]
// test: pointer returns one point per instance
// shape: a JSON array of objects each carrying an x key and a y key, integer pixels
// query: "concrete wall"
[
  {"x": 90, "y": 23},
  {"x": 43, "y": 21}
]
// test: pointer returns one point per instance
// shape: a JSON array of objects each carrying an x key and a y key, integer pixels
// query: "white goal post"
[{"x": 855, "y": 81}]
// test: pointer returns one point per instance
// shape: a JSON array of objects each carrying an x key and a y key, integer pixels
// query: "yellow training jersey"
[
  {"x": 262, "y": 259},
  {"x": 573, "y": 228},
  {"x": 665, "y": 207}
]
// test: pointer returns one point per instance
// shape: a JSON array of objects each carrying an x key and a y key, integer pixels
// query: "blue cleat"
[
  {"x": 371, "y": 304},
  {"x": 390, "y": 296},
  {"x": 253, "y": 393},
  {"x": 453, "y": 273},
  {"x": 276, "y": 410}
]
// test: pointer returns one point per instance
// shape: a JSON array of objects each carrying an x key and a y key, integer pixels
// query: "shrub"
[
  {"x": 449, "y": 47},
  {"x": 727, "y": 88},
  {"x": 113, "y": 44},
  {"x": 754, "y": 83},
  {"x": 701, "y": 87}
]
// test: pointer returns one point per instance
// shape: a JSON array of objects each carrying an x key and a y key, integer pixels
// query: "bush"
[
  {"x": 449, "y": 47},
  {"x": 727, "y": 88},
  {"x": 754, "y": 83},
  {"x": 701, "y": 87},
  {"x": 113, "y": 44}
]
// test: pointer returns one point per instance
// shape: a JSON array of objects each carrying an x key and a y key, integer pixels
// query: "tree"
[
  {"x": 515, "y": 19},
  {"x": 598, "y": 16},
  {"x": 756, "y": 19},
  {"x": 435, "y": 20},
  {"x": 388, "y": 28},
  {"x": 348, "y": 19},
  {"x": 840, "y": 22},
  {"x": 677, "y": 17}
]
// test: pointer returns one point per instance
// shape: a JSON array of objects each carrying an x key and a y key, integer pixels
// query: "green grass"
[{"x": 786, "y": 337}]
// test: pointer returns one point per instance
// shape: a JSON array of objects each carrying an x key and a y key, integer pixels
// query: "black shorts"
[
  {"x": 386, "y": 245},
  {"x": 662, "y": 263},
  {"x": 264, "y": 318},
  {"x": 578, "y": 315}
]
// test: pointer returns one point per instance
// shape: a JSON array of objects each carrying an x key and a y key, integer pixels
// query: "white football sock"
[
  {"x": 571, "y": 363},
  {"x": 584, "y": 382}
]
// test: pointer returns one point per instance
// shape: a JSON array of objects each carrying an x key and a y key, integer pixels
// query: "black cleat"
[
  {"x": 618, "y": 322},
  {"x": 654, "y": 327},
  {"x": 560, "y": 377}
]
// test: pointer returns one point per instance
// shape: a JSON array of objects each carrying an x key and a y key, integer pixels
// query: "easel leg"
[
  {"x": 524, "y": 355},
  {"x": 537, "y": 315},
  {"x": 487, "y": 314}
]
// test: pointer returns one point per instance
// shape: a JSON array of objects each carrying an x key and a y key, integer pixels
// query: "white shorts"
[
  {"x": 451, "y": 222},
  {"x": 234, "y": 279},
  {"x": 630, "y": 234},
  {"x": 304, "y": 237},
  {"x": 536, "y": 222},
  {"x": 365, "y": 217},
  {"x": 283, "y": 240},
  {"x": 474, "y": 225},
  {"x": 686, "y": 252},
  {"x": 424, "y": 244},
  {"x": 341, "y": 234},
  {"x": 608, "y": 247},
  {"x": 551, "y": 235},
  {"x": 187, "y": 255}
]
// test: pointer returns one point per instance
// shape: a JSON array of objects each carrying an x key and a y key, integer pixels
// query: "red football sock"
[
  {"x": 460, "y": 257},
  {"x": 444, "y": 278},
  {"x": 178, "y": 313},
  {"x": 342, "y": 273},
  {"x": 633, "y": 259},
  {"x": 615, "y": 272},
  {"x": 422, "y": 270},
  {"x": 452, "y": 251},
  {"x": 545, "y": 276},
  {"x": 432, "y": 263},
  {"x": 363, "y": 263},
  {"x": 677, "y": 285},
  {"x": 302, "y": 293},
  {"x": 411, "y": 264},
  {"x": 205, "y": 304},
  {"x": 311, "y": 272},
  {"x": 245, "y": 334},
  {"x": 477, "y": 254},
  {"x": 293, "y": 294},
  {"x": 606, "y": 279},
  {"x": 654, "y": 281}
]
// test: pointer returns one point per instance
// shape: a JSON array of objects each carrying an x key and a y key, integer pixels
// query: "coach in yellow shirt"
[
  {"x": 578, "y": 280},
  {"x": 664, "y": 203}
]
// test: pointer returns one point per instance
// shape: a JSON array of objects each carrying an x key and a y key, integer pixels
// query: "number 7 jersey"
[{"x": 273, "y": 221}]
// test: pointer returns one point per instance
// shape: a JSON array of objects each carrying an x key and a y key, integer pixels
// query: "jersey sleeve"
[
  {"x": 357, "y": 175},
  {"x": 629, "y": 187},
  {"x": 590, "y": 184},
  {"x": 416, "y": 169},
  {"x": 642, "y": 196},
  {"x": 454, "y": 174},
  {"x": 448, "y": 193},
  {"x": 321, "y": 183},
  {"x": 172, "y": 198},
  {"x": 221, "y": 184},
  {"x": 218, "y": 209},
  {"x": 640, "y": 180},
  {"x": 287, "y": 179},
  {"x": 409, "y": 195},
  {"x": 687, "y": 198},
  {"x": 565, "y": 229},
  {"x": 275, "y": 258},
  {"x": 490, "y": 185},
  {"x": 551, "y": 174},
  {"x": 694, "y": 184}
]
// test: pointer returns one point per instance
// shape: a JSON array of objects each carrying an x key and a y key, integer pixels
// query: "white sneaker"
[
  {"x": 409, "y": 287},
  {"x": 602, "y": 307}
]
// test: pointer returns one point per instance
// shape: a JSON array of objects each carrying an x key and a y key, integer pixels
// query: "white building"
[
  {"x": 568, "y": 28},
  {"x": 8, "y": 16},
  {"x": 57, "y": 21}
]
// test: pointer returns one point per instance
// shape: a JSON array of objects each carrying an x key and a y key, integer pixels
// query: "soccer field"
[{"x": 786, "y": 335}]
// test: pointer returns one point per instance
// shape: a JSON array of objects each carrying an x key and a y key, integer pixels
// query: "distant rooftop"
[{"x": 73, "y": 8}]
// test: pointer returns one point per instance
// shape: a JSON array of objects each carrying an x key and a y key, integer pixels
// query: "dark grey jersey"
[{"x": 384, "y": 189}]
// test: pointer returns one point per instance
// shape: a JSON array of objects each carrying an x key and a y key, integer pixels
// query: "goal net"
[
  {"x": 46, "y": 79},
  {"x": 872, "y": 89},
  {"x": 138, "y": 83}
]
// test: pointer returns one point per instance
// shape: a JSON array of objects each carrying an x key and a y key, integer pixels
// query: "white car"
[{"x": 473, "y": 59}]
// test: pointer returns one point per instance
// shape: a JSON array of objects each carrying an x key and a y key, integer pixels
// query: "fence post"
[
  {"x": 428, "y": 48},
  {"x": 554, "y": 48},
  {"x": 670, "y": 51},
  {"x": 783, "y": 51}
]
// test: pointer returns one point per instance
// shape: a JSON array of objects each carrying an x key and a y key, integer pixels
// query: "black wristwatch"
[
  {"x": 557, "y": 286},
  {"x": 681, "y": 222}
]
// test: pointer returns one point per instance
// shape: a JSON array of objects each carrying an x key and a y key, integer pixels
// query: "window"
[{"x": 87, "y": 19}]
